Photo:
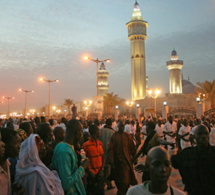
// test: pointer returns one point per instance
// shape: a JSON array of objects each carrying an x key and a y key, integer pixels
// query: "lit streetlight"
[
  {"x": 26, "y": 94},
  {"x": 97, "y": 73},
  {"x": 200, "y": 108},
  {"x": 49, "y": 81},
  {"x": 156, "y": 94},
  {"x": 32, "y": 111},
  {"x": 87, "y": 104},
  {"x": 8, "y": 101},
  {"x": 138, "y": 112},
  {"x": 130, "y": 104}
]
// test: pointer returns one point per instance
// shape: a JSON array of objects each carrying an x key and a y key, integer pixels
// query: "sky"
[{"x": 50, "y": 37}]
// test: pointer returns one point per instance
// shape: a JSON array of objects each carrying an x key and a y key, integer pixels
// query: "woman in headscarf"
[{"x": 32, "y": 173}]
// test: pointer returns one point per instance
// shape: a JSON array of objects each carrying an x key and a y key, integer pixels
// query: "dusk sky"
[{"x": 50, "y": 37}]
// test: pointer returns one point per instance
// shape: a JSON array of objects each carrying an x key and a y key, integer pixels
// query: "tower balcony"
[{"x": 174, "y": 64}]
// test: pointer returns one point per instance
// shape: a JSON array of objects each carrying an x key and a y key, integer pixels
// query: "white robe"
[{"x": 183, "y": 130}]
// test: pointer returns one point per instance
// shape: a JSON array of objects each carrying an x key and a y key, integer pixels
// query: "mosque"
[{"x": 181, "y": 98}]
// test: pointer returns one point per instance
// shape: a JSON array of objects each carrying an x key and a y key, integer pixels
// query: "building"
[
  {"x": 174, "y": 66},
  {"x": 137, "y": 35},
  {"x": 103, "y": 80}
]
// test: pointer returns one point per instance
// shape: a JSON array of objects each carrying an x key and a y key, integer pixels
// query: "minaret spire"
[{"x": 137, "y": 34}]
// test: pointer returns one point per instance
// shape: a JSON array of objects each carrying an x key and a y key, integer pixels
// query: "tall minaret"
[
  {"x": 103, "y": 80},
  {"x": 174, "y": 66},
  {"x": 137, "y": 36}
]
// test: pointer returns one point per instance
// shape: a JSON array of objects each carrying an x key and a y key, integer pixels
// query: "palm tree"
[
  {"x": 68, "y": 103},
  {"x": 110, "y": 101},
  {"x": 207, "y": 88}
]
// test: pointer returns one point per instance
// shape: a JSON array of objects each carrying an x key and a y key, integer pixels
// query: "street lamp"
[
  {"x": 138, "y": 112},
  {"x": 32, "y": 111},
  {"x": 97, "y": 73},
  {"x": 26, "y": 92},
  {"x": 87, "y": 104},
  {"x": 8, "y": 101},
  {"x": 156, "y": 92},
  {"x": 198, "y": 99},
  {"x": 49, "y": 81},
  {"x": 130, "y": 104}
]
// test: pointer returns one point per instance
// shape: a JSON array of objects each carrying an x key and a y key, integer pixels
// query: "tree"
[
  {"x": 207, "y": 88},
  {"x": 110, "y": 101},
  {"x": 68, "y": 103}
]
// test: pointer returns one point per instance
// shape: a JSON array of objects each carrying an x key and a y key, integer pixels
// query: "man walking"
[{"x": 121, "y": 149}]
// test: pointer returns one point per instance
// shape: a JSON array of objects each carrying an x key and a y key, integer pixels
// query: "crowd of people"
[{"x": 78, "y": 156}]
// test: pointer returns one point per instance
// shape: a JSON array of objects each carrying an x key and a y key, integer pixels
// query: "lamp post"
[
  {"x": 200, "y": 107},
  {"x": 8, "y": 103},
  {"x": 116, "y": 112},
  {"x": 138, "y": 113},
  {"x": 32, "y": 111},
  {"x": 53, "y": 108},
  {"x": 97, "y": 72},
  {"x": 130, "y": 104},
  {"x": 87, "y": 104},
  {"x": 157, "y": 92},
  {"x": 26, "y": 94},
  {"x": 49, "y": 81},
  {"x": 165, "y": 110}
]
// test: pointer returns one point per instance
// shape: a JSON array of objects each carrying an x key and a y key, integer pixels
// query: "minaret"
[
  {"x": 137, "y": 36},
  {"x": 174, "y": 66},
  {"x": 103, "y": 80}
]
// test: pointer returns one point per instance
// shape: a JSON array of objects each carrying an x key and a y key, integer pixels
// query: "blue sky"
[{"x": 50, "y": 37}]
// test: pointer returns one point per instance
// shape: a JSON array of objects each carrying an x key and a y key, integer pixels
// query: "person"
[
  {"x": 106, "y": 134},
  {"x": 169, "y": 130},
  {"x": 64, "y": 160},
  {"x": 152, "y": 140},
  {"x": 159, "y": 167},
  {"x": 159, "y": 129},
  {"x": 120, "y": 151},
  {"x": 63, "y": 123},
  {"x": 127, "y": 127},
  {"x": 26, "y": 126},
  {"x": 74, "y": 111},
  {"x": 12, "y": 143},
  {"x": 184, "y": 135},
  {"x": 137, "y": 135},
  {"x": 32, "y": 173},
  {"x": 212, "y": 135},
  {"x": 196, "y": 164},
  {"x": 133, "y": 128},
  {"x": 2, "y": 147},
  {"x": 59, "y": 134},
  {"x": 45, "y": 132},
  {"x": 192, "y": 132},
  {"x": 37, "y": 120},
  {"x": 43, "y": 119},
  {"x": 94, "y": 151}
]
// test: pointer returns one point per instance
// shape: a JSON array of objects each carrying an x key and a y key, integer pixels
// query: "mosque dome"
[
  {"x": 188, "y": 87},
  {"x": 174, "y": 53}
]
